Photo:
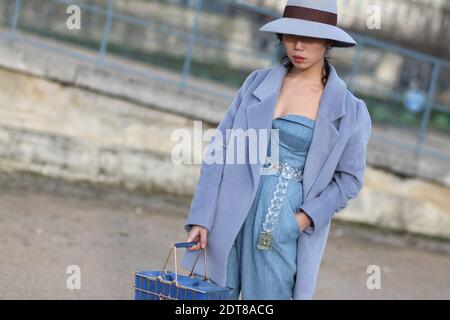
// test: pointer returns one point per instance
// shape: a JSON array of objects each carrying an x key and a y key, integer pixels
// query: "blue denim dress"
[{"x": 270, "y": 274}]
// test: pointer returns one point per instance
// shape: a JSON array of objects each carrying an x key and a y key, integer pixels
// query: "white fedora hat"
[{"x": 311, "y": 18}]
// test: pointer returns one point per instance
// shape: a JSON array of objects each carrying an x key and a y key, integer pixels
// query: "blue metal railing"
[{"x": 193, "y": 38}]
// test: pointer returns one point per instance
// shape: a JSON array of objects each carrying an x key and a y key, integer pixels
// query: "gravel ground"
[{"x": 47, "y": 225}]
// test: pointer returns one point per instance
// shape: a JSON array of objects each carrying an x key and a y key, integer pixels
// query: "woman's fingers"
[
  {"x": 203, "y": 238},
  {"x": 194, "y": 248},
  {"x": 194, "y": 236},
  {"x": 198, "y": 235}
]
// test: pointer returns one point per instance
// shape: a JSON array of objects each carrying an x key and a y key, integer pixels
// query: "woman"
[{"x": 266, "y": 225}]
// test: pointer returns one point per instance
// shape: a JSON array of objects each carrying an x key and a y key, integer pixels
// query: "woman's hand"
[
  {"x": 303, "y": 220},
  {"x": 198, "y": 234}
]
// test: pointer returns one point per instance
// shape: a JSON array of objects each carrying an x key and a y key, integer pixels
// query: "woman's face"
[{"x": 311, "y": 49}]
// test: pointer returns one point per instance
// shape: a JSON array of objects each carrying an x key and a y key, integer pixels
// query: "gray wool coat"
[{"x": 333, "y": 174}]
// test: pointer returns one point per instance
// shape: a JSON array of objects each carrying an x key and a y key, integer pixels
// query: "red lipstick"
[{"x": 299, "y": 58}]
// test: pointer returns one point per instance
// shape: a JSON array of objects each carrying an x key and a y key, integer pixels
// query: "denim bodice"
[{"x": 294, "y": 139}]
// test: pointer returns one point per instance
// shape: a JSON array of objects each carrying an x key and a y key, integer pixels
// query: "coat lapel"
[
  {"x": 331, "y": 108},
  {"x": 260, "y": 114}
]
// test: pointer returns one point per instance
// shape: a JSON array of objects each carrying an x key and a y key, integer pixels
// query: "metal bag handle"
[{"x": 182, "y": 245}]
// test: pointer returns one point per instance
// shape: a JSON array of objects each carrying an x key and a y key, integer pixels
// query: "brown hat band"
[{"x": 310, "y": 14}]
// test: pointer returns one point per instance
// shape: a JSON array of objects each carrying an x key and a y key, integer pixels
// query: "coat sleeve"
[
  {"x": 204, "y": 202},
  {"x": 348, "y": 178}
]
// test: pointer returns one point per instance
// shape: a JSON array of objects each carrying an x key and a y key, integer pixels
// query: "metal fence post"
[
  {"x": 276, "y": 53},
  {"x": 188, "y": 53},
  {"x": 429, "y": 106},
  {"x": 106, "y": 31},
  {"x": 15, "y": 18},
  {"x": 355, "y": 65}
]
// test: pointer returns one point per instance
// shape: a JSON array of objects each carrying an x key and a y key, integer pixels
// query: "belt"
[
  {"x": 285, "y": 172},
  {"x": 283, "y": 169}
]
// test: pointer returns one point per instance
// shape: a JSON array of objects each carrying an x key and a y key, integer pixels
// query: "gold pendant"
[{"x": 264, "y": 240}]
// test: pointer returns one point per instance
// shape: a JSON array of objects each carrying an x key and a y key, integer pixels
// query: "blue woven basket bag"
[{"x": 167, "y": 285}]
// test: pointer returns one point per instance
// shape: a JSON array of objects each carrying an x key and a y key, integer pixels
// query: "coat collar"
[{"x": 331, "y": 107}]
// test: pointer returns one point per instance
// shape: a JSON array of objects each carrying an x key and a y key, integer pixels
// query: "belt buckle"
[{"x": 269, "y": 167}]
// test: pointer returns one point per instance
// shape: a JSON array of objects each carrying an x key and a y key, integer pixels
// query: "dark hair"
[{"x": 284, "y": 59}]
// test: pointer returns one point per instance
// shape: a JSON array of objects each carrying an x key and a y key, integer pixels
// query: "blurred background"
[{"x": 91, "y": 92}]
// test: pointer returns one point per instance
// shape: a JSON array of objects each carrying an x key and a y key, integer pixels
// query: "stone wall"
[{"x": 70, "y": 120}]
